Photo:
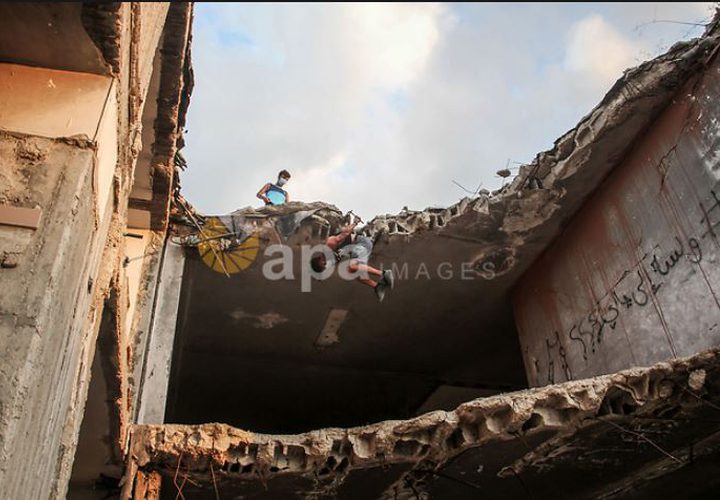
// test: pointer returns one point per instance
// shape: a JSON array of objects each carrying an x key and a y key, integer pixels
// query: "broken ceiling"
[
  {"x": 334, "y": 359},
  {"x": 616, "y": 432}
]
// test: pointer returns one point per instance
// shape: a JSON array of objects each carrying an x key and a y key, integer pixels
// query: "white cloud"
[
  {"x": 598, "y": 51},
  {"x": 373, "y": 107},
  {"x": 395, "y": 40}
]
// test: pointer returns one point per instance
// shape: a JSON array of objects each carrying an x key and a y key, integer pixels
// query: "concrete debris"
[
  {"x": 283, "y": 221},
  {"x": 434, "y": 438}
]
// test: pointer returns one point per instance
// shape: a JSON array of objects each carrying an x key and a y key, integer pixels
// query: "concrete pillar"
[
  {"x": 57, "y": 157},
  {"x": 158, "y": 358}
]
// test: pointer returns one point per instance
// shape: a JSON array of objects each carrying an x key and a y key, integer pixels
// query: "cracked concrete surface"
[{"x": 327, "y": 457}]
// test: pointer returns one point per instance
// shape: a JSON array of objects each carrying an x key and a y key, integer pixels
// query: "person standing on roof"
[
  {"x": 356, "y": 249},
  {"x": 274, "y": 194}
]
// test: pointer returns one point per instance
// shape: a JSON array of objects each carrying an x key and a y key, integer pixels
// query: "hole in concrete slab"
[
  {"x": 617, "y": 401},
  {"x": 498, "y": 421},
  {"x": 247, "y": 469},
  {"x": 406, "y": 448},
  {"x": 627, "y": 408},
  {"x": 456, "y": 439},
  {"x": 296, "y": 457},
  {"x": 343, "y": 465},
  {"x": 470, "y": 433},
  {"x": 500, "y": 259},
  {"x": 534, "y": 421}
]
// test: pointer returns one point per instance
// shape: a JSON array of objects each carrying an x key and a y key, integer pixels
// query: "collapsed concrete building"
[
  {"x": 555, "y": 338},
  {"x": 92, "y": 103}
]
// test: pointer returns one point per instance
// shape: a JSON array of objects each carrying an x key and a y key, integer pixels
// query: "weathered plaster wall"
[
  {"x": 51, "y": 297},
  {"x": 138, "y": 246},
  {"x": 44, "y": 306},
  {"x": 51, "y": 103},
  {"x": 68, "y": 146},
  {"x": 57, "y": 103},
  {"x": 634, "y": 278}
]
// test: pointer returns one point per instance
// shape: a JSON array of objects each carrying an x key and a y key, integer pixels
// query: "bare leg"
[
  {"x": 357, "y": 267},
  {"x": 368, "y": 282}
]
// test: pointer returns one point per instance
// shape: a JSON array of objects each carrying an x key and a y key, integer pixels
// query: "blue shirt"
[{"x": 276, "y": 194}]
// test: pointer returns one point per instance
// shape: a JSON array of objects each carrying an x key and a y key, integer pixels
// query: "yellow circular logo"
[{"x": 221, "y": 251}]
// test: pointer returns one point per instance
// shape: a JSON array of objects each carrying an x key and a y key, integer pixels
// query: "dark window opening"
[{"x": 97, "y": 467}]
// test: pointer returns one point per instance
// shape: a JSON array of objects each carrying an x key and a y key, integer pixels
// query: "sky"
[{"x": 375, "y": 107}]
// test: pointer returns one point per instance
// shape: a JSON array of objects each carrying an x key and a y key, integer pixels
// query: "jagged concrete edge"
[
  {"x": 542, "y": 185},
  {"x": 103, "y": 23},
  {"x": 434, "y": 437}
]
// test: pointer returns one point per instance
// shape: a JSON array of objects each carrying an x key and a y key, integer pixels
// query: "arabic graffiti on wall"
[{"x": 637, "y": 288}]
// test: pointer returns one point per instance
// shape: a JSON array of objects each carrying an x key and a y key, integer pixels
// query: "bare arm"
[
  {"x": 345, "y": 232},
  {"x": 261, "y": 193}
]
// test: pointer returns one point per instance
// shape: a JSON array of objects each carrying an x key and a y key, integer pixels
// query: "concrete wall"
[
  {"x": 44, "y": 310},
  {"x": 634, "y": 278},
  {"x": 69, "y": 142},
  {"x": 48, "y": 308}
]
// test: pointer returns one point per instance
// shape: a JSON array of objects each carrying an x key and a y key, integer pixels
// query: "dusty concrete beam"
[
  {"x": 434, "y": 438},
  {"x": 156, "y": 373}
]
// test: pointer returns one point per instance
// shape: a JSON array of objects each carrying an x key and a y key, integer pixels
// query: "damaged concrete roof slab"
[
  {"x": 632, "y": 433},
  {"x": 534, "y": 434}
]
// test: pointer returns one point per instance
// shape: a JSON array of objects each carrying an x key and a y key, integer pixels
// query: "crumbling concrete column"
[{"x": 58, "y": 161}]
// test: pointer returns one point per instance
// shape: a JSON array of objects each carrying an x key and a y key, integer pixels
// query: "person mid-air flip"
[{"x": 355, "y": 248}]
